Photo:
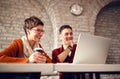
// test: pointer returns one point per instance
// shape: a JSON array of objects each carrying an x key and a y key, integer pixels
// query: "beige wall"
[
  {"x": 54, "y": 13},
  {"x": 108, "y": 25}
]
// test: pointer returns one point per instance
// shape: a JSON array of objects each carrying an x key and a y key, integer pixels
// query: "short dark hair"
[
  {"x": 64, "y": 27},
  {"x": 31, "y": 22}
]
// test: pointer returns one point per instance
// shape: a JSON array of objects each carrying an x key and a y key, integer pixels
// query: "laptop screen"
[{"x": 91, "y": 49}]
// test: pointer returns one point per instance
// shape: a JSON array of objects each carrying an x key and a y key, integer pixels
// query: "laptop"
[{"x": 91, "y": 49}]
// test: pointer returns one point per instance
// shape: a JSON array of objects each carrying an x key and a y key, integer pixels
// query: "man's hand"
[
  {"x": 37, "y": 58},
  {"x": 70, "y": 43}
]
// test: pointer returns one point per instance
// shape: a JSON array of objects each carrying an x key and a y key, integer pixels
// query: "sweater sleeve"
[
  {"x": 7, "y": 59},
  {"x": 13, "y": 53},
  {"x": 49, "y": 60},
  {"x": 55, "y": 54}
]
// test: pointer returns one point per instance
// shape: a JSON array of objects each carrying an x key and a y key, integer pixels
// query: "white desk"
[
  {"x": 49, "y": 69},
  {"x": 23, "y": 71},
  {"x": 45, "y": 69},
  {"x": 89, "y": 68}
]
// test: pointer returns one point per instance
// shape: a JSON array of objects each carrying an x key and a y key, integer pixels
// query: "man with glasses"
[{"x": 21, "y": 50}]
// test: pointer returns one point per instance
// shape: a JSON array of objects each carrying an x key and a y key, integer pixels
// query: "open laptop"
[{"x": 91, "y": 49}]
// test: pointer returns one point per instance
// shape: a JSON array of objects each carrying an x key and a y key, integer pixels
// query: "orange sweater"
[{"x": 14, "y": 53}]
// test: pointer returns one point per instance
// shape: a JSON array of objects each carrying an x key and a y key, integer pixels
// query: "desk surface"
[
  {"x": 46, "y": 69},
  {"x": 62, "y": 67}
]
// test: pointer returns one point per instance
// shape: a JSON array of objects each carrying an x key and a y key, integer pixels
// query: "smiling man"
[{"x": 65, "y": 53}]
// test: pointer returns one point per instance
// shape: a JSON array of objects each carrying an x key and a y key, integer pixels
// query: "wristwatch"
[{"x": 70, "y": 47}]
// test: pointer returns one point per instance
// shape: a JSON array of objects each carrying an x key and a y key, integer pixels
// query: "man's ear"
[{"x": 60, "y": 36}]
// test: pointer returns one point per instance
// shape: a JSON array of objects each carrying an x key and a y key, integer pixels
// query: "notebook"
[{"x": 91, "y": 49}]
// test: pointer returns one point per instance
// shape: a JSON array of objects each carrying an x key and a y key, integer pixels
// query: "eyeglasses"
[{"x": 38, "y": 30}]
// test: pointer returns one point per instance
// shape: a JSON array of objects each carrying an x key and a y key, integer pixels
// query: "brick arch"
[
  {"x": 47, "y": 39},
  {"x": 108, "y": 25},
  {"x": 53, "y": 13}
]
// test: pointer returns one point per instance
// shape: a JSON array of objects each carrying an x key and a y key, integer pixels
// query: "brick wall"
[
  {"x": 107, "y": 25},
  {"x": 12, "y": 15},
  {"x": 95, "y": 19}
]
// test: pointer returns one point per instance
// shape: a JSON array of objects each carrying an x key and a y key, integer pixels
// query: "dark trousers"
[
  {"x": 20, "y": 75},
  {"x": 72, "y": 75},
  {"x": 78, "y": 75}
]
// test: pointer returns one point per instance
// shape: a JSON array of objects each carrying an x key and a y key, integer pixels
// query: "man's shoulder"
[
  {"x": 57, "y": 49},
  {"x": 17, "y": 40}
]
